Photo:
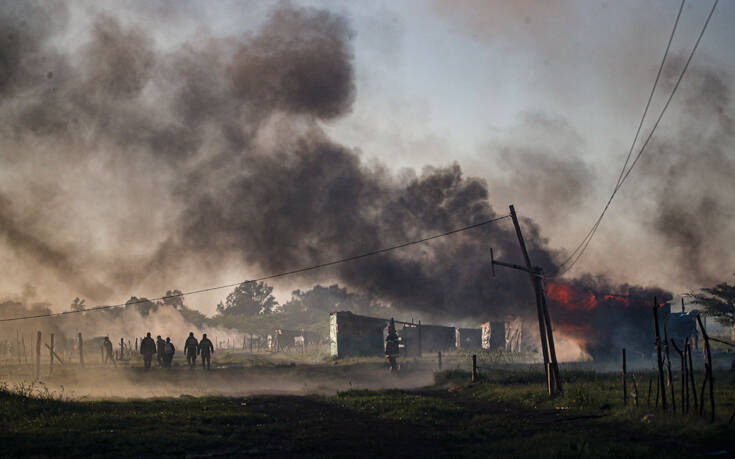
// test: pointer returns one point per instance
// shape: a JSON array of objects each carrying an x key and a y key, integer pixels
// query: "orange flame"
[{"x": 571, "y": 298}]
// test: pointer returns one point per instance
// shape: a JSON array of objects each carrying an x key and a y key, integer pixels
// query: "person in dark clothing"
[
  {"x": 206, "y": 349},
  {"x": 147, "y": 348},
  {"x": 191, "y": 349},
  {"x": 107, "y": 351},
  {"x": 391, "y": 346},
  {"x": 160, "y": 345},
  {"x": 168, "y": 351}
]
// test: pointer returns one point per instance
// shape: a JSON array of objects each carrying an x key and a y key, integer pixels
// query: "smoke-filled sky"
[{"x": 149, "y": 146}]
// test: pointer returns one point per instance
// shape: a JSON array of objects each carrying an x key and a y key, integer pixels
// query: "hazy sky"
[{"x": 540, "y": 99}]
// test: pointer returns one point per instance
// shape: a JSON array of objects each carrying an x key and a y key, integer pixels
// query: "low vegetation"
[{"x": 505, "y": 414}]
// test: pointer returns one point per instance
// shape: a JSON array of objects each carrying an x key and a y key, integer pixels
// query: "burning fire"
[
  {"x": 574, "y": 299},
  {"x": 597, "y": 322}
]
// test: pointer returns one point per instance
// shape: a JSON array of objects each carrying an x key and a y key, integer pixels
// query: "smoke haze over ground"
[{"x": 131, "y": 164}]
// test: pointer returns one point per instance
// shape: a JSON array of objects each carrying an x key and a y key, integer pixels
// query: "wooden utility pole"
[
  {"x": 551, "y": 366},
  {"x": 661, "y": 382},
  {"x": 539, "y": 310},
  {"x": 549, "y": 331},
  {"x": 38, "y": 355}
]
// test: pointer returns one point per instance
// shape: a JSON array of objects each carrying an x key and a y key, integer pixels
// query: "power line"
[
  {"x": 653, "y": 91},
  {"x": 270, "y": 276},
  {"x": 582, "y": 247},
  {"x": 635, "y": 138}
]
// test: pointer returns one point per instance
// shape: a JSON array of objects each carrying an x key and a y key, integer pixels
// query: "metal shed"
[{"x": 352, "y": 335}]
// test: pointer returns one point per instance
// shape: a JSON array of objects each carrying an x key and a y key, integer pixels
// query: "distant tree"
[
  {"x": 143, "y": 305},
  {"x": 718, "y": 302},
  {"x": 78, "y": 305},
  {"x": 321, "y": 300},
  {"x": 174, "y": 298},
  {"x": 193, "y": 316},
  {"x": 249, "y": 299}
]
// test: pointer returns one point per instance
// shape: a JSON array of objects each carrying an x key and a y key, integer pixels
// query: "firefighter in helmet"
[{"x": 391, "y": 346}]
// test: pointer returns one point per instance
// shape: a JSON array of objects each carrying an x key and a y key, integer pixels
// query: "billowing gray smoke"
[
  {"x": 228, "y": 130},
  {"x": 692, "y": 205},
  {"x": 135, "y": 164}
]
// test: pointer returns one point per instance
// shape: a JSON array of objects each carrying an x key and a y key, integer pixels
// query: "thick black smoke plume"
[{"x": 213, "y": 152}]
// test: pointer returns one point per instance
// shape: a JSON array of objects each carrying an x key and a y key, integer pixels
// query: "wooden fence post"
[
  {"x": 650, "y": 382},
  {"x": 81, "y": 350},
  {"x": 17, "y": 345},
  {"x": 625, "y": 386},
  {"x": 51, "y": 356},
  {"x": 684, "y": 383},
  {"x": 708, "y": 370},
  {"x": 474, "y": 368},
  {"x": 23, "y": 342},
  {"x": 440, "y": 360},
  {"x": 635, "y": 388},
  {"x": 419, "y": 333},
  {"x": 669, "y": 376},
  {"x": 38, "y": 355},
  {"x": 661, "y": 383},
  {"x": 691, "y": 375}
]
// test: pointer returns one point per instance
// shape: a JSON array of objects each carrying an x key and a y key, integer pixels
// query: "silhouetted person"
[
  {"x": 191, "y": 349},
  {"x": 107, "y": 351},
  {"x": 206, "y": 349},
  {"x": 168, "y": 351},
  {"x": 160, "y": 345},
  {"x": 391, "y": 346},
  {"x": 147, "y": 348}
]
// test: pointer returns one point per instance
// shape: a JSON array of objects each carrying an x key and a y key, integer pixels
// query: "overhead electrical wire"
[
  {"x": 577, "y": 253},
  {"x": 653, "y": 91},
  {"x": 632, "y": 145},
  {"x": 267, "y": 277}
]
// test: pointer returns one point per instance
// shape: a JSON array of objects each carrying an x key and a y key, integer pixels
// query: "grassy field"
[{"x": 506, "y": 414}]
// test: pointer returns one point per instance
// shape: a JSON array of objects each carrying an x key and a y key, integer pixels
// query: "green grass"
[{"x": 507, "y": 414}]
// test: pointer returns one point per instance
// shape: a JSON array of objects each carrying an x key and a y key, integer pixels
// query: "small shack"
[
  {"x": 468, "y": 338},
  {"x": 513, "y": 334},
  {"x": 435, "y": 338},
  {"x": 493, "y": 335},
  {"x": 418, "y": 338},
  {"x": 351, "y": 335}
]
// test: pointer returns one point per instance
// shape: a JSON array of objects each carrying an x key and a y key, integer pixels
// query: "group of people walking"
[{"x": 165, "y": 350}]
